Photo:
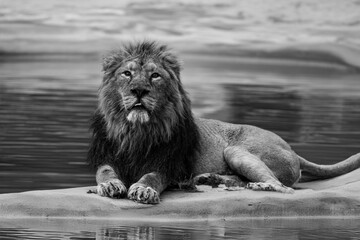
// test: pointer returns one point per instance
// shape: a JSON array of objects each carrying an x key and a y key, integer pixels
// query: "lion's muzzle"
[{"x": 138, "y": 111}]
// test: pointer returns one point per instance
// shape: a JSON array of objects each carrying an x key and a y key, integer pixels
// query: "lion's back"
[{"x": 222, "y": 134}]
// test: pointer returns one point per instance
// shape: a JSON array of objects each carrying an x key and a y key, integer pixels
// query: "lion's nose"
[{"x": 139, "y": 92}]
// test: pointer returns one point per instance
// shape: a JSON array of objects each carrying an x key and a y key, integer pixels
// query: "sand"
[{"x": 337, "y": 197}]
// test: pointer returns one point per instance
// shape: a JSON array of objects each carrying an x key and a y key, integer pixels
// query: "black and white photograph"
[{"x": 180, "y": 119}]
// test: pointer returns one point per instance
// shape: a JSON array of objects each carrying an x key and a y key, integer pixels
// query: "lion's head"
[{"x": 141, "y": 92}]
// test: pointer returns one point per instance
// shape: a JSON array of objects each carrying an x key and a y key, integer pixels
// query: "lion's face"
[{"x": 141, "y": 87}]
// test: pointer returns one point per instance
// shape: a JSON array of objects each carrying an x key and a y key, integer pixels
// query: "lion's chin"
[{"x": 138, "y": 115}]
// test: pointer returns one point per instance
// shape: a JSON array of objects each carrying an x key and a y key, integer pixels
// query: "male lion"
[{"x": 145, "y": 137}]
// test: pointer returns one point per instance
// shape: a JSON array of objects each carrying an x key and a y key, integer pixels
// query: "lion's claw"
[
  {"x": 143, "y": 194},
  {"x": 113, "y": 188}
]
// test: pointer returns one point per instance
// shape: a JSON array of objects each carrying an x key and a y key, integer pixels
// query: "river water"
[
  {"x": 282, "y": 229},
  {"x": 282, "y": 66}
]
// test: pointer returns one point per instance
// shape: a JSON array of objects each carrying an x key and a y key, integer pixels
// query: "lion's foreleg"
[
  {"x": 109, "y": 185},
  {"x": 248, "y": 165},
  {"x": 148, "y": 188}
]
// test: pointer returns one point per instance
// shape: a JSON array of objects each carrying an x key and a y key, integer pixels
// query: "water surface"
[{"x": 292, "y": 229}]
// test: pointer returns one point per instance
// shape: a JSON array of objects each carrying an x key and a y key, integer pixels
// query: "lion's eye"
[
  {"x": 155, "y": 75},
  {"x": 126, "y": 73}
]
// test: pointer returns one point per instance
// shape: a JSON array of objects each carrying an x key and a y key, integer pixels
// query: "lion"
[{"x": 146, "y": 139}]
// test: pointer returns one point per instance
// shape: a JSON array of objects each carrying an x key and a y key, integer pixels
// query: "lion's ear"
[
  {"x": 172, "y": 62},
  {"x": 111, "y": 62}
]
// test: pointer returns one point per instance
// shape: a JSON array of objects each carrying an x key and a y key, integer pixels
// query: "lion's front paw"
[
  {"x": 113, "y": 188},
  {"x": 143, "y": 194}
]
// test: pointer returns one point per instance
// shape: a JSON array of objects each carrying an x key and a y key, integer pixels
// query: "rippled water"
[
  {"x": 247, "y": 229},
  {"x": 45, "y": 110}
]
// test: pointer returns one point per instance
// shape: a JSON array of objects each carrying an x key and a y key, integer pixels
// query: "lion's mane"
[{"x": 166, "y": 144}]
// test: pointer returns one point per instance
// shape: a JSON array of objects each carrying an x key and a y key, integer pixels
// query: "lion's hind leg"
[
  {"x": 214, "y": 180},
  {"x": 251, "y": 167}
]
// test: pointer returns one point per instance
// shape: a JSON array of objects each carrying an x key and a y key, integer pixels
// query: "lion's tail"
[{"x": 311, "y": 171}]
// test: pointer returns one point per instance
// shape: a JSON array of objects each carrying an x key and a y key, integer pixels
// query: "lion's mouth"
[
  {"x": 138, "y": 113},
  {"x": 138, "y": 106}
]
